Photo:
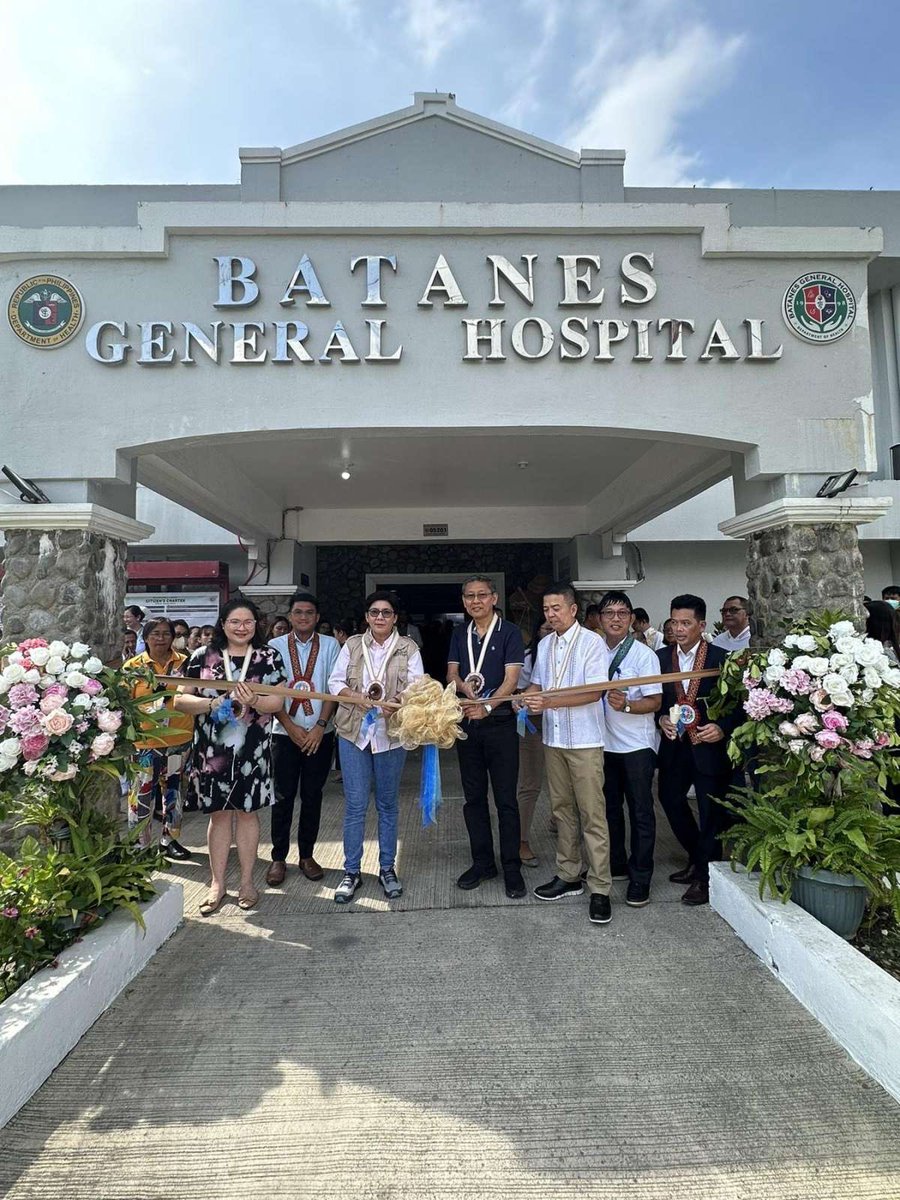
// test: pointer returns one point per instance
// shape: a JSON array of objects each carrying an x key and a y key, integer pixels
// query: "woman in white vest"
[{"x": 377, "y": 664}]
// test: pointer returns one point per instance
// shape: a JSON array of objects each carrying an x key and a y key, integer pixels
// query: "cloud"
[
  {"x": 642, "y": 108},
  {"x": 528, "y": 75},
  {"x": 435, "y": 25}
]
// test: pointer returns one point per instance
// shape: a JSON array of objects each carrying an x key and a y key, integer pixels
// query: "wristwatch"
[
  {"x": 627, "y": 707},
  {"x": 488, "y": 709},
  {"x": 322, "y": 724}
]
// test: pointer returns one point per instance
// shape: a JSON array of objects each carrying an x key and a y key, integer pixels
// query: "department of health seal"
[
  {"x": 819, "y": 307},
  {"x": 45, "y": 311}
]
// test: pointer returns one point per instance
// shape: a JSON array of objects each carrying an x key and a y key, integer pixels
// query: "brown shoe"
[
  {"x": 275, "y": 874},
  {"x": 697, "y": 893},
  {"x": 311, "y": 869}
]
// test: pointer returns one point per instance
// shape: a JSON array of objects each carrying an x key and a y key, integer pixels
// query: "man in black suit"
[{"x": 693, "y": 750}]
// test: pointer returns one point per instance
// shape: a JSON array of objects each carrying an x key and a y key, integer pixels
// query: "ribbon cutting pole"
[
  {"x": 606, "y": 685},
  {"x": 267, "y": 689}
]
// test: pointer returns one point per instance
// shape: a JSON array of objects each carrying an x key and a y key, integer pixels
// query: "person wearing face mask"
[
  {"x": 891, "y": 595},
  {"x": 736, "y": 634},
  {"x": 378, "y": 665}
]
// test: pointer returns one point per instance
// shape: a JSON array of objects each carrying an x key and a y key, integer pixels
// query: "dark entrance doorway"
[{"x": 434, "y": 608}]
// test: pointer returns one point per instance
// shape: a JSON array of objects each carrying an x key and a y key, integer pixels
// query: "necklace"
[
  {"x": 375, "y": 690},
  {"x": 475, "y": 679}
]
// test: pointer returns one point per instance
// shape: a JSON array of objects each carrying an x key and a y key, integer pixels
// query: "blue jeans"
[{"x": 360, "y": 769}]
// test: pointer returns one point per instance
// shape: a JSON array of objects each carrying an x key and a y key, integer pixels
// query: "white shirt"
[
  {"x": 627, "y": 732},
  {"x": 733, "y": 644},
  {"x": 328, "y": 652},
  {"x": 655, "y": 641},
  {"x": 686, "y": 661},
  {"x": 588, "y": 662},
  {"x": 376, "y": 734}
]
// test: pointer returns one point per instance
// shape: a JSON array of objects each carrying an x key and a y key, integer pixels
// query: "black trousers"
[
  {"x": 677, "y": 771},
  {"x": 629, "y": 778},
  {"x": 291, "y": 769},
  {"x": 491, "y": 751}
]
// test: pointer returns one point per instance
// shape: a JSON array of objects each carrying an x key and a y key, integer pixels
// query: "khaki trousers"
[
  {"x": 531, "y": 776},
  {"x": 575, "y": 781}
]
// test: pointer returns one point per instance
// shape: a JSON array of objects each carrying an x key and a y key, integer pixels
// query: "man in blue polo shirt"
[{"x": 486, "y": 655}]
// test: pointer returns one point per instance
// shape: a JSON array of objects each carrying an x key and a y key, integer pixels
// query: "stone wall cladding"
[
  {"x": 341, "y": 570},
  {"x": 795, "y": 568},
  {"x": 64, "y": 583}
]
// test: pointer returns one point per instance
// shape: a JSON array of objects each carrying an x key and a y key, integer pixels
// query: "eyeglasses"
[
  {"x": 615, "y": 612},
  {"x": 239, "y": 624},
  {"x": 729, "y": 612},
  {"x": 381, "y": 613},
  {"x": 477, "y": 595}
]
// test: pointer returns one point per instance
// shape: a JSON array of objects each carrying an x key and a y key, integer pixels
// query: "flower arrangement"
[
  {"x": 62, "y": 713},
  {"x": 819, "y": 737}
]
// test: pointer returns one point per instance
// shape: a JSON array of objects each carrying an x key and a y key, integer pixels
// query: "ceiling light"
[
  {"x": 523, "y": 464},
  {"x": 345, "y": 474}
]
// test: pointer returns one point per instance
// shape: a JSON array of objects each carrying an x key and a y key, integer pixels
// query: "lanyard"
[
  {"x": 389, "y": 648},
  {"x": 475, "y": 667},
  {"x": 559, "y": 675},
  {"x": 226, "y": 662}
]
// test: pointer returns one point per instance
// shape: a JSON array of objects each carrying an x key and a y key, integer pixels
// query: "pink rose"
[
  {"x": 819, "y": 700},
  {"x": 109, "y": 720},
  {"x": 828, "y": 739},
  {"x": 57, "y": 689},
  {"x": 22, "y": 694},
  {"x": 51, "y": 702},
  {"x": 835, "y": 721},
  {"x": 882, "y": 739},
  {"x": 102, "y": 744},
  {"x": 92, "y": 687},
  {"x": 34, "y": 745},
  {"x": 58, "y": 722},
  {"x": 806, "y": 723}
]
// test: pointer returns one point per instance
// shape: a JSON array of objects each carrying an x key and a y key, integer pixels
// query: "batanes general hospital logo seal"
[
  {"x": 46, "y": 311},
  {"x": 819, "y": 307}
]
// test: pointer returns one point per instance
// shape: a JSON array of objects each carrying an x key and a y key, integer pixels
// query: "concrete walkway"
[{"x": 464, "y": 1046}]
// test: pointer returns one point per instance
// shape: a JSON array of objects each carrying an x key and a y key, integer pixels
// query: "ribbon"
[
  {"x": 430, "y": 791},
  {"x": 224, "y": 714},
  {"x": 524, "y": 722}
]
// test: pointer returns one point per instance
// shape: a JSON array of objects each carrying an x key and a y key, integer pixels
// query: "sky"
[{"x": 757, "y": 93}]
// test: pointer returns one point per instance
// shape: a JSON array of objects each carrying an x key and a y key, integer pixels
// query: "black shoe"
[
  {"x": 686, "y": 875},
  {"x": 515, "y": 886},
  {"x": 637, "y": 895},
  {"x": 697, "y": 893},
  {"x": 601, "y": 909},
  {"x": 557, "y": 888},
  {"x": 619, "y": 872},
  {"x": 175, "y": 851},
  {"x": 474, "y": 876}
]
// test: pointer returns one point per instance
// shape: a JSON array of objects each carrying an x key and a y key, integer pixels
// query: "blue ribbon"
[
  {"x": 224, "y": 714},
  {"x": 370, "y": 718},
  {"x": 523, "y": 722},
  {"x": 430, "y": 792}
]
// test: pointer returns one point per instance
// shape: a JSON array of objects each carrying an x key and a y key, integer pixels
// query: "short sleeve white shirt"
[
  {"x": 578, "y": 656},
  {"x": 626, "y": 732},
  {"x": 733, "y": 644}
]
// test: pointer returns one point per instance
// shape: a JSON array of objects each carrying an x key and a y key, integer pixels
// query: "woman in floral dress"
[{"x": 231, "y": 764}]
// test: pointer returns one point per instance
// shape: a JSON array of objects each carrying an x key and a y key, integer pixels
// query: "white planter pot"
[{"x": 47, "y": 1016}]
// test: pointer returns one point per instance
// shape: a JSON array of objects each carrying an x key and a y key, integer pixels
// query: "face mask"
[{"x": 894, "y": 603}]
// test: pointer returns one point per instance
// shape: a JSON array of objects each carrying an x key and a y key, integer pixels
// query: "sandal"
[
  {"x": 248, "y": 901},
  {"x": 211, "y": 905}
]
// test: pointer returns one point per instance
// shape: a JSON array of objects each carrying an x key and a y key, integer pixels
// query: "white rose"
[
  {"x": 7, "y": 764},
  {"x": 801, "y": 662},
  {"x": 847, "y": 644},
  {"x": 849, "y": 674},
  {"x": 93, "y": 666},
  {"x": 806, "y": 642},
  {"x": 840, "y": 628},
  {"x": 797, "y": 746},
  {"x": 818, "y": 667},
  {"x": 79, "y": 650},
  {"x": 10, "y": 748},
  {"x": 16, "y": 656},
  {"x": 892, "y": 677},
  {"x": 55, "y": 665},
  {"x": 777, "y": 658},
  {"x": 867, "y": 696},
  {"x": 840, "y": 660},
  {"x": 39, "y": 655},
  {"x": 792, "y": 641},
  {"x": 871, "y": 677},
  {"x": 773, "y": 674},
  {"x": 5, "y": 685},
  {"x": 841, "y": 699},
  {"x": 59, "y": 648},
  {"x": 32, "y": 676},
  {"x": 867, "y": 653},
  {"x": 82, "y": 701},
  {"x": 883, "y": 664},
  {"x": 14, "y": 673},
  {"x": 101, "y": 702},
  {"x": 788, "y": 729},
  {"x": 75, "y": 679}
]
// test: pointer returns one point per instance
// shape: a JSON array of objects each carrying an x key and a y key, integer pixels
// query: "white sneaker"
[{"x": 347, "y": 888}]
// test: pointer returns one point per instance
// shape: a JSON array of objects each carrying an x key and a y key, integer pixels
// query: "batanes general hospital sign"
[{"x": 817, "y": 307}]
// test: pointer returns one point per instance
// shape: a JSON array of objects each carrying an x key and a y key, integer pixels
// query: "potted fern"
[{"x": 821, "y": 714}]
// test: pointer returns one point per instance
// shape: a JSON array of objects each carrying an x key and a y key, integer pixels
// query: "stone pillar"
[
  {"x": 64, "y": 573},
  {"x": 803, "y": 554}
]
